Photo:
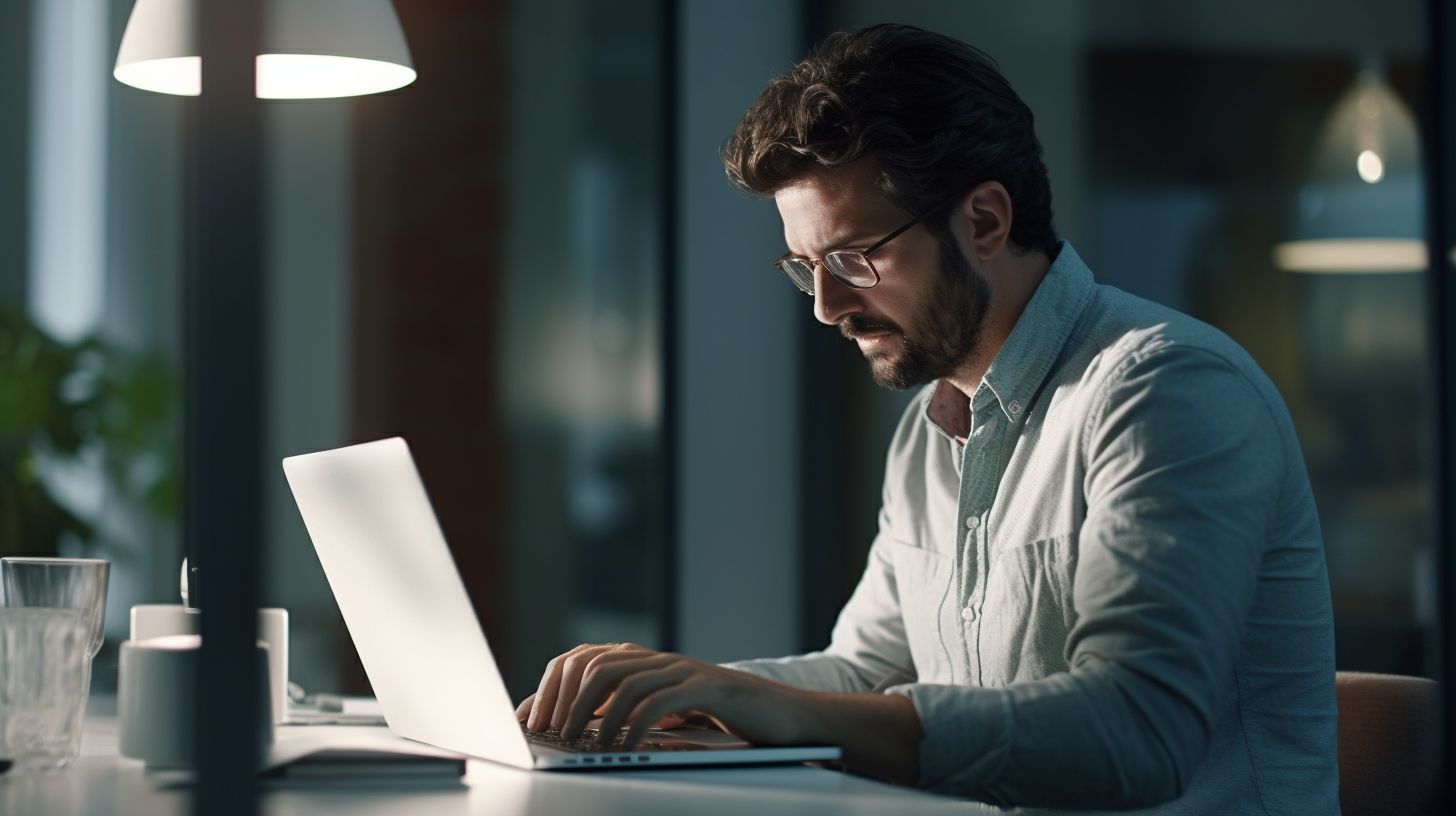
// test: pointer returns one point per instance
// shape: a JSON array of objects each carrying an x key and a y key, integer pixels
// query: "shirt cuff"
[{"x": 967, "y": 735}]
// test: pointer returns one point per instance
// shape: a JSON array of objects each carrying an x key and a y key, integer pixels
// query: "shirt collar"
[{"x": 1022, "y": 364}]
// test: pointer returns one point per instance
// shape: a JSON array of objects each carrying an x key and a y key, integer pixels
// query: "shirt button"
[
  {"x": 972, "y": 522},
  {"x": 1015, "y": 407},
  {"x": 968, "y": 614}
]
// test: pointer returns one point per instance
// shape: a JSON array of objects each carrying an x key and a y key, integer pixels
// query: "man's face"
[{"x": 924, "y": 318}]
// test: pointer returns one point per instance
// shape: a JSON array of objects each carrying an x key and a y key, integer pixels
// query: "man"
[{"x": 1099, "y": 580}]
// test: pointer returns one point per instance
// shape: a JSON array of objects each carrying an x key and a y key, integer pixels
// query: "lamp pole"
[{"x": 224, "y": 406}]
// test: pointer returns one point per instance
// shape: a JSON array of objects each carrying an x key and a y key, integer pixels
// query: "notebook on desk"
[{"x": 419, "y": 640}]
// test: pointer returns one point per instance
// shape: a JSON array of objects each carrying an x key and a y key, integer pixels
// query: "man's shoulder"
[
  {"x": 1117, "y": 330},
  {"x": 1136, "y": 351}
]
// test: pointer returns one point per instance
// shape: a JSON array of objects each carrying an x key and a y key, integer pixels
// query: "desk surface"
[{"x": 101, "y": 783}]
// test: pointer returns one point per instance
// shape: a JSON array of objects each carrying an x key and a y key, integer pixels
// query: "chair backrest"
[{"x": 1390, "y": 744}]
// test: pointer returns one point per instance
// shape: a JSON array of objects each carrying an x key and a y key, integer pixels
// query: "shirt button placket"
[{"x": 973, "y": 522}]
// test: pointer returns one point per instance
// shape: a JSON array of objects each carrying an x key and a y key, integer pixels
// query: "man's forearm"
[{"x": 880, "y": 733}]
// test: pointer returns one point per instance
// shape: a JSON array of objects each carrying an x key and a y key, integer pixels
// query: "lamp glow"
[
  {"x": 313, "y": 49},
  {"x": 315, "y": 76},
  {"x": 179, "y": 76}
]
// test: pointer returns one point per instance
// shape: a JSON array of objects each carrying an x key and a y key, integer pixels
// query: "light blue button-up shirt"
[{"x": 1110, "y": 592}]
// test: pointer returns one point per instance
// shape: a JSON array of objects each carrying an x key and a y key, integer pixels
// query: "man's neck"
[{"x": 1013, "y": 279}]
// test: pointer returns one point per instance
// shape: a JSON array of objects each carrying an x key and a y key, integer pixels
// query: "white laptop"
[{"x": 404, "y": 603}]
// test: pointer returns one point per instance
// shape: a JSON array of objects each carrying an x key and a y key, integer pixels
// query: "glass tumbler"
[{"x": 52, "y": 612}]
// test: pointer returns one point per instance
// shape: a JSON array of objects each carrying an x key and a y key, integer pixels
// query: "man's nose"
[{"x": 833, "y": 301}]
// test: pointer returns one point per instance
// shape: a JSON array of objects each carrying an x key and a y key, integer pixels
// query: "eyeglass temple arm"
[{"x": 932, "y": 211}]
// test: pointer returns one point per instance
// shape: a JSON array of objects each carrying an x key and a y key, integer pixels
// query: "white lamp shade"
[
  {"x": 312, "y": 49},
  {"x": 1363, "y": 207},
  {"x": 159, "y": 49}
]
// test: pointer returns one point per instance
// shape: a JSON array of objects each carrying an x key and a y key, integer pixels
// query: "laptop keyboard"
[{"x": 587, "y": 742}]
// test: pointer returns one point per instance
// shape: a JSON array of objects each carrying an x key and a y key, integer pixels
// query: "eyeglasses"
[{"x": 850, "y": 267}]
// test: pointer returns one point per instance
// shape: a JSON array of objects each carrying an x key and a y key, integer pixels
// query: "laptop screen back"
[{"x": 402, "y": 598}]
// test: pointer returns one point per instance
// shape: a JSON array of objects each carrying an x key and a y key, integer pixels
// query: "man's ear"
[{"x": 982, "y": 222}]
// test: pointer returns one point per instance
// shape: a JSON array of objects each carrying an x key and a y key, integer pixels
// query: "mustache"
[{"x": 857, "y": 325}]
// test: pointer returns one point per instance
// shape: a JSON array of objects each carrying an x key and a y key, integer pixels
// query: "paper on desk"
[
  {"x": 362, "y": 707},
  {"x": 292, "y": 743},
  {"x": 339, "y": 711}
]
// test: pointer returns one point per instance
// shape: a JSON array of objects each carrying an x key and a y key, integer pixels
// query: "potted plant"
[{"x": 62, "y": 401}]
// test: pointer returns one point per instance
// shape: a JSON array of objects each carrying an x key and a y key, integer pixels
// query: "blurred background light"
[
  {"x": 1361, "y": 210},
  {"x": 1352, "y": 255},
  {"x": 67, "y": 168}
]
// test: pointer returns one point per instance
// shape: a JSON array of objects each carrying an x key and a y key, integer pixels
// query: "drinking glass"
[{"x": 52, "y": 612}]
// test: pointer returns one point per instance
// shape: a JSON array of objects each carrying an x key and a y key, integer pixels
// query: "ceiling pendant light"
[
  {"x": 312, "y": 49},
  {"x": 1362, "y": 209}
]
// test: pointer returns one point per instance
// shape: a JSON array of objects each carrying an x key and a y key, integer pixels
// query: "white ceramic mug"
[
  {"x": 159, "y": 620},
  {"x": 156, "y": 697}
]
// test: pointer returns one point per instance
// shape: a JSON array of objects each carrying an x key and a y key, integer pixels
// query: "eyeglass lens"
[
  {"x": 851, "y": 268},
  {"x": 801, "y": 272}
]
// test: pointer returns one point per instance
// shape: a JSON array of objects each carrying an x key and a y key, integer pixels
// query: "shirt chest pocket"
[
  {"x": 1029, "y": 611},
  {"x": 922, "y": 581}
]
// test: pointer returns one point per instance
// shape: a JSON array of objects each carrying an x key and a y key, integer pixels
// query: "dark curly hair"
[{"x": 934, "y": 114}]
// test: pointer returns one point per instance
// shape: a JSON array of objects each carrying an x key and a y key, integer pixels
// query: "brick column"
[{"x": 429, "y": 226}]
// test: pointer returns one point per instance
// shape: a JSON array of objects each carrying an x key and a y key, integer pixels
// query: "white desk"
[{"x": 101, "y": 783}]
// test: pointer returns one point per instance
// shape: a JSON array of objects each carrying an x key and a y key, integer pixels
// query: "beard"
[{"x": 947, "y": 328}]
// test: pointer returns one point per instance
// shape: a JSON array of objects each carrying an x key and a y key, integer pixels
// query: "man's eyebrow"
[{"x": 842, "y": 242}]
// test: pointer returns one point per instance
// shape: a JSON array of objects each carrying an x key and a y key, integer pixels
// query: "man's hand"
[
  {"x": 633, "y": 687},
  {"x": 629, "y": 685},
  {"x": 559, "y": 684},
  {"x": 549, "y": 706}
]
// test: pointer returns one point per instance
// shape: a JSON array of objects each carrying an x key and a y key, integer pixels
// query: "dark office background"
[{"x": 477, "y": 262}]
